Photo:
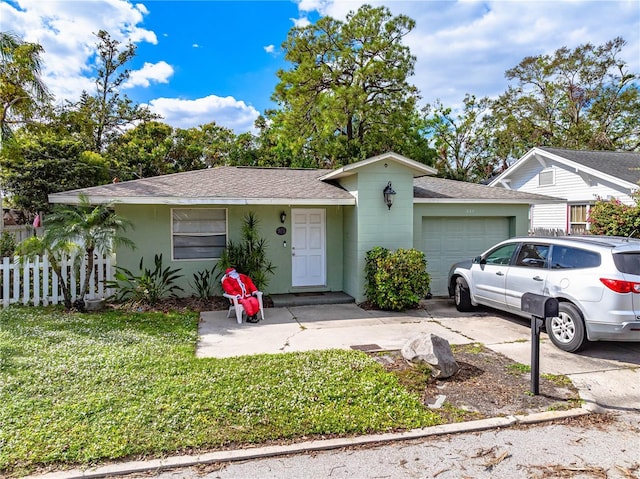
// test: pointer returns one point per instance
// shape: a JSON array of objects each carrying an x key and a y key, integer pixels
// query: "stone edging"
[{"x": 318, "y": 445}]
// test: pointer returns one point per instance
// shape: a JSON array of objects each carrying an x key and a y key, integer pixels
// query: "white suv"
[{"x": 596, "y": 280}]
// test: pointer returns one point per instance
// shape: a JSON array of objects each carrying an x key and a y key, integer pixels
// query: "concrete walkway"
[{"x": 606, "y": 373}]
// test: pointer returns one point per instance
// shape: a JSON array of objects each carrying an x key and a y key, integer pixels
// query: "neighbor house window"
[
  {"x": 547, "y": 177},
  {"x": 198, "y": 233},
  {"x": 578, "y": 219}
]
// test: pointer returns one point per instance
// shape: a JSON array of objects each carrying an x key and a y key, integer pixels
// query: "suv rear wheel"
[
  {"x": 566, "y": 330},
  {"x": 461, "y": 295}
]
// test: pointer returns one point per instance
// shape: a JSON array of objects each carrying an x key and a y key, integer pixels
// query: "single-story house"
[
  {"x": 318, "y": 224},
  {"x": 579, "y": 177}
]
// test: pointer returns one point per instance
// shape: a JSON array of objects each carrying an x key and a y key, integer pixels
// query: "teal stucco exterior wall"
[
  {"x": 371, "y": 223},
  {"x": 152, "y": 235}
]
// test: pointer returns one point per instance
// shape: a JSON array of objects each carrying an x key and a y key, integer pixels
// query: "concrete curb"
[{"x": 270, "y": 451}]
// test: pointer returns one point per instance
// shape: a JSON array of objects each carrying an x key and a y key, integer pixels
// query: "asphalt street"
[{"x": 587, "y": 448}]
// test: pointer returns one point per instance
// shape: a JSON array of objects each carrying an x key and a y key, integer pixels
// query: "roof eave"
[
  {"x": 487, "y": 201},
  {"x": 536, "y": 152},
  {"x": 172, "y": 200}
]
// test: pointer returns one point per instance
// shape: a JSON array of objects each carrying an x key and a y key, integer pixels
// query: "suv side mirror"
[{"x": 479, "y": 260}]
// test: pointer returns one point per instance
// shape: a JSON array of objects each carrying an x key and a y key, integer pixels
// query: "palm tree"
[
  {"x": 21, "y": 87},
  {"x": 56, "y": 252},
  {"x": 92, "y": 228},
  {"x": 96, "y": 229}
]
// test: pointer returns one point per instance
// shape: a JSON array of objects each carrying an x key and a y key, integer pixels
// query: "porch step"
[{"x": 309, "y": 299}]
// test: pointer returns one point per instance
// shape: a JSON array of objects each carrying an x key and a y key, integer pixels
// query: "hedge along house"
[{"x": 318, "y": 224}]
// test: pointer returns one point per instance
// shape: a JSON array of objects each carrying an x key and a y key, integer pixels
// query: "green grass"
[
  {"x": 85, "y": 388},
  {"x": 557, "y": 379},
  {"x": 518, "y": 368}
]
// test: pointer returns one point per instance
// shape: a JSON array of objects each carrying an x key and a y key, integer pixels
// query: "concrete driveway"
[{"x": 606, "y": 373}]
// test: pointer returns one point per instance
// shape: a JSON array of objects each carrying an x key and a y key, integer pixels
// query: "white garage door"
[{"x": 449, "y": 240}]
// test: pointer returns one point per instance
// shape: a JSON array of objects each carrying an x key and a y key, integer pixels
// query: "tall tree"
[
  {"x": 142, "y": 151},
  {"x": 22, "y": 90},
  {"x": 347, "y": 96},
  {"x": 462, "y": 139},
  {"x": 43, "y": 159},
  {"x": 107, "y": 113},
  {"x": 584, "y": 98}
]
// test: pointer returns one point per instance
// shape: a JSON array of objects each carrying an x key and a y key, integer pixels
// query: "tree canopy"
[
  {"x": 347, "y": 95},
  {"x": 585, "y": 98}
]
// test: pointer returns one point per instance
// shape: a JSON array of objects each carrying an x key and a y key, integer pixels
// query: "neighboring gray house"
[
  {"x": 319, "y": 224},
  {"x": 579, "y": 177}
]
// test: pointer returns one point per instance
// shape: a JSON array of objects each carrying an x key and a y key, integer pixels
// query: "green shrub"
[
  {"x": 205, "y": 282},
  {"x": 396, "y": 280},
  {"x": 148, "y": 287},
  {"x": 7, "y": 244},
  {"x": 613, "y": 218}
]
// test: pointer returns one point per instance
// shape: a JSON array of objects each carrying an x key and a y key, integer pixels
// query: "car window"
[
  {"x": 567, "y": 257},
  {"x": 501, "y": 255},
  {"x": 533, "y": 255},
  {"x": 627, "y": 262}
]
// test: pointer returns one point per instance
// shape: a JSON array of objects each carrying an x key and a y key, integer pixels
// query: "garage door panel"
[{"x": 449, "y": 240}]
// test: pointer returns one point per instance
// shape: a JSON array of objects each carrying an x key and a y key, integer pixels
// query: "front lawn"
[{"x": 85, "y": 388}]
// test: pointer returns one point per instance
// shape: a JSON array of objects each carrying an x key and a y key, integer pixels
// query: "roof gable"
[
  {"x": 621, "y": 168},
  {"x": 419, "y": 169}
]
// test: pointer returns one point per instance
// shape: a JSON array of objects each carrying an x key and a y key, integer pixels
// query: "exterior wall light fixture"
[
  {"x": 388, "y": 193},
  {"x": 283, "y": 217}
]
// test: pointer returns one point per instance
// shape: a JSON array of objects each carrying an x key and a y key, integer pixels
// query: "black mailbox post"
[{"x": 540, "y": 307}]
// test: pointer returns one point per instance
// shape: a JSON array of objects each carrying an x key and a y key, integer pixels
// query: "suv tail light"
[{"x": 620, "y": 286}]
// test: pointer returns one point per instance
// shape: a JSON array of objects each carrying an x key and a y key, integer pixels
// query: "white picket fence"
[{"x": 35, "y": 282}]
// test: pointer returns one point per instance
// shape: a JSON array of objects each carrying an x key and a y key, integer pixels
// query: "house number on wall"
[{"x": 471, "y": 212}]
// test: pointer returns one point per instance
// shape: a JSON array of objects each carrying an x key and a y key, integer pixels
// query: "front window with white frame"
[{"x": 198, "y": 233}]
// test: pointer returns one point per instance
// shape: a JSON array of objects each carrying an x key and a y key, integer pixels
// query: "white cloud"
[
  {"x": 150, "y": 73},
  {"x": 227, "y": 112},
  {"x": 66, "y": 30},
  {"x": 466, "y": 46},
  {"x": 301, "y": 22},
  {"x": 461, "y": 46}
]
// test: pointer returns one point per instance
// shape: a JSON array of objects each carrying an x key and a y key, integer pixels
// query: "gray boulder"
[{"x": 433, "y": 350}]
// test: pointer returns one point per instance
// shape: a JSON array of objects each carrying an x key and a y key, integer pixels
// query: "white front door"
[{"x": 308, "y": 247}]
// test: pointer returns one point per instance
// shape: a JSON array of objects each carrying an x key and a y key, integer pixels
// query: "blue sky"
[{"x": 203, "y": 61}]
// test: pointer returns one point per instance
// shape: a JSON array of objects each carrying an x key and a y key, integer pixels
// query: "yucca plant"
[
  {"x": 249, "y": 255},
  {"x": 204, "y": 283}
]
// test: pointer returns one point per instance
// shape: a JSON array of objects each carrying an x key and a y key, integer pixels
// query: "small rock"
[
  {"x": 439, "y": 402},
  {"x": 433, "y": 350}
]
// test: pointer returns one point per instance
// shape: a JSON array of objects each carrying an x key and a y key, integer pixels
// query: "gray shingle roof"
[
  {"x": 430, "y": 187},
  {"x": 272, "y": 185},
  {"x": 225, "y": 182},
  {"x": 622, "y": 165}
]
